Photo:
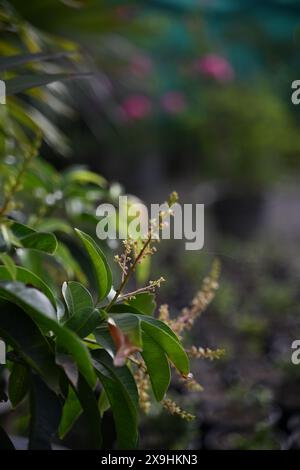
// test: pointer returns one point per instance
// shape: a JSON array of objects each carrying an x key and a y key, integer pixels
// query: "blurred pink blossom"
[
  {"x": 216, "y": 67},
  {"x": 173, "y": 102},
  {"x": 140, "y": 65},
  {"x": 136, "y": 106}
]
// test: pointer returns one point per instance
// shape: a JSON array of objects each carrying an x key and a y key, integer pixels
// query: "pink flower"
[
  {"x": 216, "y": 67},
  {"x": 173, "y": 102},
  {"x": 136, "y": 106}
]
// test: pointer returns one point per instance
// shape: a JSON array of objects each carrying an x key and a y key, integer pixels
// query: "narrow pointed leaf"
[
  {"x": 45, "y": 411},
  {"x": 157, "y": 366},
  {"x": 29, "y": 238},
  {"x": 71, "y": 411},
  {"x": 13, "y": 61},
  {"x": 168, "y": 344},
  {"x": 23, "y": 83},
  {"x": 18, "y": 385},
  {"x": 87, "y": 399},
  {"x": 83, "y": 317},
  {"x": 9, "y": 265},
  {"x": 28, "y": 277},
  {"x": 121, "y": 392},
  {"x": 101, "y": 269}
]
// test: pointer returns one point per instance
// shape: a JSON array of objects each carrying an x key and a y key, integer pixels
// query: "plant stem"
[
  {"x": 16, "y": 186},
  {"x": 130, "y": 271}
]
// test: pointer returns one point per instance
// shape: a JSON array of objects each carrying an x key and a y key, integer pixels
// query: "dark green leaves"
[
  {"x": 13, "y": 61},
  {"x": 91, "y": 412},
  {"x": 82, "y": 401},
  {"x": 28, "y": 277},
  {"x": 39, "y": 308},
  {"x": 18, "y": 330},
  {"x": 158, "y": 344},
  {"x": 101, "y": 269},
  {"x": 144, "y": 303},
  {"x": 18, "y": 383},
  {"x": 10, "y": 266},
  {"x": 46, "y": 412},
  {"x": 29, "y": 238},
  {"x": 122, "y": 395},
  {"x": 83, "y": 317},
  {"x": 172, "y": 347},
  {"x": 71, "y": 411},
  {"x": 26, "y": 82},
  {"x": 125, "y": 330},
  {"x": 157, "y": 366},
  {"x": 156, "y": 341}
]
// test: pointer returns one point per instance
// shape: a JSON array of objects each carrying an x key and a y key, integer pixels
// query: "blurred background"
[{"x": 195, "y": 95}]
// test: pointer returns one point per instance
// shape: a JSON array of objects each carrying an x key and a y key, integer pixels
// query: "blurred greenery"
[{"x": 188, "y": 94}]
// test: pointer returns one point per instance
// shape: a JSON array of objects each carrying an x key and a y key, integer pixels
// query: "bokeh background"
[{"x": 195, "y": 95}]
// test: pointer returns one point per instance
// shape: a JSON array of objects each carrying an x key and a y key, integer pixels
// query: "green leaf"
[
  {"x": 77, "y": 298},
  {"x": 28, "y": 277},
  {"x": 67, "y": 363},
  {"x": 20, "y": 230},
  {"x": 40, "y": 241},
  {"x": 157, "y": 366},
  {"x": 80, "y": 175},
  {"x": 18, "y": 385},
  {"x": 13, "y": 61},
  {"x": 5, "y": 243},
  {"x": 171, "y": 346},
  {"x": 23, "y": 83},
  {"x": 91, "y": 412},
  {"x": 10, "y": 265},
  {"x": 99, "y": 263},
  {"x": 130, "y": 325},
  {"x": 71, "y": 411},
  {"x": 104, "y": 339},
  {"x": 52, "y": 224},
  {"x": 124, "y": 308},
  {"x": 45, "y": 410},
  {"x": 103, "y": 403},
  {"x": 39, "y": 308},
  {"x": 29, "y": 238},
  {"x": 144, "y": 303},
  {"x": 160, "y": 324},
  {"x": 24, "y": 336},
  {"x": 83, "y": 317},
  {"x": 121, "y": 391},
  {"x": 68, "y": 262}
]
